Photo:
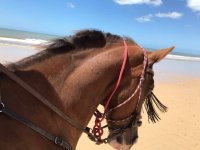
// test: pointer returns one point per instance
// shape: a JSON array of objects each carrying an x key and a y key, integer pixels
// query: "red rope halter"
[{"x": 97, "y": 129}]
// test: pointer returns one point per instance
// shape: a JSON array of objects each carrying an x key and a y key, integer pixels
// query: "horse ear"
[{"x": 158, "y": 55}]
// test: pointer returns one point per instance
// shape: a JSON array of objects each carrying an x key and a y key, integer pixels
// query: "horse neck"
[
  {"x": 90, "y": 84},
  {"x": 77, "y": 90}
]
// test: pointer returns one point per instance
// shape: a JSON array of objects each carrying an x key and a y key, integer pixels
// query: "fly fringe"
[{"x": 150, "y": 102}]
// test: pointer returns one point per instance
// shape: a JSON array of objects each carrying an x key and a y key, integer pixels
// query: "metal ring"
[
  {"x": 1, "y": 107},
  {"x": 105, "y": 141},
  {"x": 58, "y": 140}
]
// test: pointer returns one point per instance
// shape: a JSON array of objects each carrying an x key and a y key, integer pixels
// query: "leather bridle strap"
[
  {"x": 55, "y": 139},
  {"x": 37, "y": 95},
  {"x": 42, "y": 99}
]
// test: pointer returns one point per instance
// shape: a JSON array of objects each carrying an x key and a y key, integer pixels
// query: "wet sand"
[{"x": 13, "y": 53}]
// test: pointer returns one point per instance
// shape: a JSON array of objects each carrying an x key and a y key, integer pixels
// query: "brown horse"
[{"x": 75, "y": 75}]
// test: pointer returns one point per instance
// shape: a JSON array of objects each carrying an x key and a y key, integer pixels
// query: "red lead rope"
[{"x": 97, "y": 129}]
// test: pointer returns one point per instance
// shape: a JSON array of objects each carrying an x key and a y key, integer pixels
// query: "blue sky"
[{"x": 151, "y": 23}]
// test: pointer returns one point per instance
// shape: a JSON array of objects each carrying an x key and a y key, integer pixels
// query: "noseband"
[{"x": 133, "y": 119}]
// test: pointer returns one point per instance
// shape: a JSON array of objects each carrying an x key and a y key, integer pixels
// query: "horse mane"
[
  {"x": 84, "y": 39},
  {"x": 80, "y": 41}
]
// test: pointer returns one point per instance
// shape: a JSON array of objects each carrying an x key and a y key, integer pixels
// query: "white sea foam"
[
  {"x": 27, "y": 41},
  {"x": 181, "y": 57}
]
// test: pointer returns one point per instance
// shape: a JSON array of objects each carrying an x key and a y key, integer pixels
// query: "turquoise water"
[{"x": 24, "y": 34}]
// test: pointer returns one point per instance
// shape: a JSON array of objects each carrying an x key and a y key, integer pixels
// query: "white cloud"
[
  {"x": 70, "y": 5},
  {"x": 150, "y": 17},
  {"x": 132, "y": 2},
  {"x": 172, "y": 15},
  {"x": 194, "y": 5},
  {"x": 146, "y": 18}
]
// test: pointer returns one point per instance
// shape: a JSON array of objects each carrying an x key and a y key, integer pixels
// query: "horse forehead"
[
  {"x": 135, "y": 51},
  {"x": 135, "y": 57}
]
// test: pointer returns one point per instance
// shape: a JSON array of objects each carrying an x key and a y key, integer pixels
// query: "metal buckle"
[
  {"x": 58, "y": 140},
  {"x": 1, "y": 107}
]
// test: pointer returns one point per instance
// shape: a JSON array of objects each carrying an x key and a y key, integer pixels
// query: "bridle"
[
  {"x": 95, "y": 133},
  {"x": 133, "y": 119}
]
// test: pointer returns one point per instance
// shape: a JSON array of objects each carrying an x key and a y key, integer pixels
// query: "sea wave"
[
  {"x": 181, "y": 57},
  {"x": 25, "y": 42}
]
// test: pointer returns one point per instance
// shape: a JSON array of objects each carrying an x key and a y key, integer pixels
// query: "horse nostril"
[
  {"x": 134, "y": 139},
  {"x": 119, "y": 139}
]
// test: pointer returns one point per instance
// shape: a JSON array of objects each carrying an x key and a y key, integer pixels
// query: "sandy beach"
[{"x": 177, "y": 85}]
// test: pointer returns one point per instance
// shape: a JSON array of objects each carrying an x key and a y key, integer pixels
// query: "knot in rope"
[{"x": 97, "y": 129}]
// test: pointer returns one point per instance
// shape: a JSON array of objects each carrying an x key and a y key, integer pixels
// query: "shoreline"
[
  {"x": 12, "y": 53},
  {"x": 170, "y": 70},
  {"x": 19, "y": 41}
]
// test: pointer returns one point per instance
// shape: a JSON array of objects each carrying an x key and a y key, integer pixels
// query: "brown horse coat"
[{"x": 76, "y": 75}]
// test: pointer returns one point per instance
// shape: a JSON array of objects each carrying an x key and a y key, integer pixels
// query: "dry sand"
[{"x": 177, "y": 84}]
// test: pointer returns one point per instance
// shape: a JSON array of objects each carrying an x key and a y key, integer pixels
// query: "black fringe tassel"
[{"x": 149, "y": 106}]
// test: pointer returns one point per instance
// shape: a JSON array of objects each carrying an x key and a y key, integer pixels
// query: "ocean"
[
  {"x": 25, "y": 38},
  {"x": 17, "y": 34},
  {"x": 17, "y": 37}
]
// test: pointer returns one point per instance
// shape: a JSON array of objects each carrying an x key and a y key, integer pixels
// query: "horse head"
[{"x": 124, "y": 116}]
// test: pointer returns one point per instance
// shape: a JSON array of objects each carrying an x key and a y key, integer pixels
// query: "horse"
[{"x": 47, "y": 100}]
